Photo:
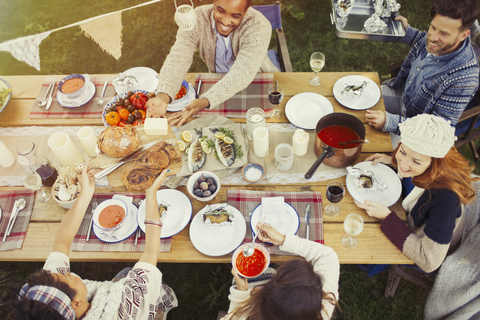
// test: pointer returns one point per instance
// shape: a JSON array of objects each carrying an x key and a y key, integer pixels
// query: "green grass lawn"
[{"x": 148, "y": 34}]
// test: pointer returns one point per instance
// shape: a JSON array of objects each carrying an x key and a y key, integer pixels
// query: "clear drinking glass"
[
  {"x": 335, "y": 193},
  {"x": 317, "y": 62},
  {"x": 33, "y": 181},
  {"x": 353, "y": 226},
  {"x": 275, "y": 96},
  {"x": 255, "y": 118},
  {"x": 26, "y": 154}
]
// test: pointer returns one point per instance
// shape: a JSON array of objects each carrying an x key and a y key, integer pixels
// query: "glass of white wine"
[
  {"x": 353, "y": 226},
  {"x": 317, "y": 62},
  {"x": 33, "y": 181}
]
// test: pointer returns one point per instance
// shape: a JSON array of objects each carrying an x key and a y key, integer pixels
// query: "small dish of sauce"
[
  {"x": 253, "y": 265},
  {"x": 111, "y": 216},
  {"x": 72, "y": 85}
]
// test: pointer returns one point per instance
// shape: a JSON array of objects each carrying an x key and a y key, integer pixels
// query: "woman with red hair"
[{"x": 436, "y": 182}]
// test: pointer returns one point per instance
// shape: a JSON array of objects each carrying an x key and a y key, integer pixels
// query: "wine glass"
[
  {"x": 353, "y": 226},
  {"x": 33, "y": 181},
  {"x": 275, "y": 96},
  {"x": 44, "y": 168},
  {"x": 317, "y": 62},
  {"x": 335, "y": 193}
]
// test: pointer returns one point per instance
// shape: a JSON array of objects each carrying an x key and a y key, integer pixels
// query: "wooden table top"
[{"x": 373, "y": 246}]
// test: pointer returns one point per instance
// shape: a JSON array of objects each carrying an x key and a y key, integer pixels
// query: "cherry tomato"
[
  {"x": 138, "y": 121},
  {"x": 144, "y": 114},
  {"x": 122, "y": 123},
  {"x": 124, "y": 114},
  {"x": 112, "y": 118}
]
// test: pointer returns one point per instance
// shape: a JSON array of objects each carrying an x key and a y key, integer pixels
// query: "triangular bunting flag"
[
  {"x": 26, "y": 49},
  {"x": 107, "y": 32}
]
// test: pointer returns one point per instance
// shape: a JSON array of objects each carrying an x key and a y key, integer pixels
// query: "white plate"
[
  {"x": 178, "y": 214},
  {"x": 369, "y": 98},
  {"x": 383, "y": 173},
  {"x": 305, "y": 109},
  {"x": 147, "y": 79},
  {"x": 178, "y": 105},
  {"x": 67, "y": 102},
  {"x": 124, "y": 232},
  {"x": 217, "y": 241},
  {"x": 289, "y": 225},
  {"x": 112, "y": 102}
]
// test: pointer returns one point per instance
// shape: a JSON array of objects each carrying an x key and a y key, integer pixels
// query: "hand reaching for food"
[
  {"x": 157, "y": 106},
  {"x": 378, "y": 157},
  {"x": 195, "y": 106}
]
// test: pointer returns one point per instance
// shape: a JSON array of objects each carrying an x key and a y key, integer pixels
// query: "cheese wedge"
[{"x": 156, "y": 126}]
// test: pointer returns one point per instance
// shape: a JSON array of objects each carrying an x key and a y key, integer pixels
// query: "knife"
[
  {"x": 50, "y": 99},
  {"x": 307, "y": 220},
  {"x": 108, "y": 170},
  {"x": 10, "y": 220}
]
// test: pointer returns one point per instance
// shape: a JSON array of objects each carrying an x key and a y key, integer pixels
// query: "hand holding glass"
[
  {"x": 353, "y": 226},
  {"x": 317, "y": 62}
]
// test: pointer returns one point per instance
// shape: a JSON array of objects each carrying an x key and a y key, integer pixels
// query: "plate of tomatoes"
[
  {"x": 182, "y": 98},
  {"x": 127, "y": 108}
]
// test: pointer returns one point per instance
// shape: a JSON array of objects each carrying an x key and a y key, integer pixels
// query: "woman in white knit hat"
[{"x": 436, "y": 185}]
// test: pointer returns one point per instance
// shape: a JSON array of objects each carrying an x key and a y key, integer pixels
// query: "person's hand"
[
  {"x": 157, "y": 106},
  {"x": 374, "y": 209},
  {"x": 379, "y": 157},
  {"x": 195, "y": 106},
  {"x": 376, "y": 119},
  {"x": 241, "y": 282},
  {"x": 157, "y": 183},
  {"x": 403, "y": 20},
  {"x": 86, "y": 179},
  {"x": 270, "y": 234}
]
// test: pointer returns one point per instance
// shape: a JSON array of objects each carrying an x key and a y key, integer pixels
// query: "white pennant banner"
[{"x": 26, "y": 49}]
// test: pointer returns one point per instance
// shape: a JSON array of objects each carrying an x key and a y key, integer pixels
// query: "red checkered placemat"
[
  {"x": 254, "y": 96},
  {"x": 90, "y": 110},
  {"x": 80, "y": 241},
  {"x": 17, "y": 235},
  {"x": 241, "y": 199}
]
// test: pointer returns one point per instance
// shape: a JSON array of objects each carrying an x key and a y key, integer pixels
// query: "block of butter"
[{"x": 156, "y": 126}]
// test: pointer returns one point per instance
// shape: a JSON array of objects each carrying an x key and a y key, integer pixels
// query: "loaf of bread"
[{"x": 119, "y": 142}]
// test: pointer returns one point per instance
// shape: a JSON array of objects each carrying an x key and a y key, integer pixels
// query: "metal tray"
[{"x": 351, "y": 27}]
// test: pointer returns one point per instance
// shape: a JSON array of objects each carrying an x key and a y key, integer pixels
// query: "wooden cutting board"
[{"x": 114, "y": 178}]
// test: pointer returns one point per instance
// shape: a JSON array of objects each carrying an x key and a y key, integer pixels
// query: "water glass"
[
  {"x": 26, "y": 154},
  {"x": 255, "y": 119}
]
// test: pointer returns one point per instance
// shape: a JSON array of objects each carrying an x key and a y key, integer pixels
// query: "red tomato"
[
  {"x": 122, "y": 123},
  {"x": 139, "y": 100},
  {"x": 138, "y": 121}
]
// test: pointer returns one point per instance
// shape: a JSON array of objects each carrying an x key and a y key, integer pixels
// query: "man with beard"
[
  {"x": 231, "y": 38},
  {"x": 439, "y": 75}
]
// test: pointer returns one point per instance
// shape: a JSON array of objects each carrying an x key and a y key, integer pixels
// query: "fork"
[
  {"x": 100, "y": 102},
  {"x": 94, "y": 206}
]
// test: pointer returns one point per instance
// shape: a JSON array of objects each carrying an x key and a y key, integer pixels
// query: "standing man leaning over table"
[
  {"x": 440, "y": 73},
  {"x": 231, "y": 38}
]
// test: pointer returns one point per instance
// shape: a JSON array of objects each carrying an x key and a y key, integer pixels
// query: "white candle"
[
  {"x": 88, "y": 139},
  {"x": 64, "y": 149},
  {"x": 260, "y": 141},
  {"x": 257, "y": 118},
  {"x": 300, "y": 142},
  {"x": 6, "y": 159}
]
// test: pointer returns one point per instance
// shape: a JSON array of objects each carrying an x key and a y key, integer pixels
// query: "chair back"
[{"x": 272, "y": 13}]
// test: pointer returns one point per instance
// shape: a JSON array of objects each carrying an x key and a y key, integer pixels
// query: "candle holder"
[
  {"x": 185, "y": 17},
  {"x": 284, "y": 157},
  {"x": 255, "y": 119}
]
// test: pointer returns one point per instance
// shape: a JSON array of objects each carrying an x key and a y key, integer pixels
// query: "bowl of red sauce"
[
  {"x": 253, "y": 266},
  {"x": 72, "y": 86},
  {"x": 110, "y": 214}
]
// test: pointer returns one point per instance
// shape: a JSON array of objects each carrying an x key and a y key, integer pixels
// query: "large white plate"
[
  {"x": 5, "y": 84},
  {"x": 305, "y": 109},
  {"x": 289, "y": 225},
  {"x": 217, "y": 241},
  {"x": 147, "y": 79},
  {"x": 386, "y": 175},
  {"x": 178, "y": 214},
  {"x": 370, "y": 96},
  {"x": 67, "y": 102},
  {"x": 128, "y": 228}
]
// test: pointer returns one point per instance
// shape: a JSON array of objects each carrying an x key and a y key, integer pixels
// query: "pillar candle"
[
  {"x": 88, "y": 139},
  {"x": 300, "y": 142},
  {"x": 64, "y": 149},
  {"x": 260, "y": 141},
  {"x": 7, "y": 159}
]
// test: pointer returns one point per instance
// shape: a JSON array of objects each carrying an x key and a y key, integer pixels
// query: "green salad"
[{"x": 4, "y": 92}]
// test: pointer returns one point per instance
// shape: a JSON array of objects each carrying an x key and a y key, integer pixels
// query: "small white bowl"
[
  {"x": 105, "y": 204},
  {"x": 63, "y": 204},
  {"x": 194, "y": 177},
  {"x": 258, "y": 246},
  {"x": 77, "y": 93},
  {"x": 253, "y": 165}
]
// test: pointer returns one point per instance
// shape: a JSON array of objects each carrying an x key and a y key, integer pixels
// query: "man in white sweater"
[{"x": 231, "y": 38}]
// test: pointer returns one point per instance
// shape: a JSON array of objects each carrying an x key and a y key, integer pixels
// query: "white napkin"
[
  {"x": 128, "y": 202},
  {"x": 273, "y": 212}
]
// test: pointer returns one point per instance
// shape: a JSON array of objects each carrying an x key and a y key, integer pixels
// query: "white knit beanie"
[{"x": 427, "y": 134}]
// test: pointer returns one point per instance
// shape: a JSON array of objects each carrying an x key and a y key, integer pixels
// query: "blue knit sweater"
[{"x": 446, "y": 93}]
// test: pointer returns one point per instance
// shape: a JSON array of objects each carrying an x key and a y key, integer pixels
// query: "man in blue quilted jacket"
[{"x": 440, "y": 73}]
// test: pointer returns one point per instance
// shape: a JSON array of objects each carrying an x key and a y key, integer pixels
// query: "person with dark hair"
[
  {"x": 231, "y": 38},
  {"x": 56, "y": 293},
  {"x": 437, "y": 183},
  {"x": 440, "y": 73},
  {"x": 304, "y": 289}
]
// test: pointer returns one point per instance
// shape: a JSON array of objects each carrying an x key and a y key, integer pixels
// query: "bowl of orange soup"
[
  {"x": 72, "y": 86},
  {"x": 110, "y": 214},
  {"x": 253, "y": 266}
]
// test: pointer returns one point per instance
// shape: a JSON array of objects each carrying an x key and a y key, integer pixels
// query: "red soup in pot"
[
  {"x": 111, "y": 216},
  {"x": 251, "y": 266},
  {"x": 333, "y": 135}
]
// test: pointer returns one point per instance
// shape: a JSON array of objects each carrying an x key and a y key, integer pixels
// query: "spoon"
[
  {"x": 0, "y": 213},
  {"x": 20, "y": 205},
  {"x": 249, "y": 250},
  {"x": 44, "y": 101},
  {"x": 354, "y": 141}
]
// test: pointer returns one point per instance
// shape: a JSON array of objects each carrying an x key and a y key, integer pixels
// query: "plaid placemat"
[
  {"x": 90, "y": 110},
  {"x": 241, "y": 199},
  {"x": 19, "y": 230},
  {"x": 254, "y": 96},
  {"x": 80, "y": 241}
]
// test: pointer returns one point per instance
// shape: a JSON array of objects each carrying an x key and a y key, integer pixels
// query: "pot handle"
[{"x": 326, "y": 152}]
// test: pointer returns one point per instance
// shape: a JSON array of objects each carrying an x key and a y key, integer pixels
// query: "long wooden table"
[{"x": 373, "y": 247}]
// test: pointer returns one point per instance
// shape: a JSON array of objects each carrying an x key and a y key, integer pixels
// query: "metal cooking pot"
[{"x": 336, "y": 157}]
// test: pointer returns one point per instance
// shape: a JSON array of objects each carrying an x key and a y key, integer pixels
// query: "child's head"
[{"x": 45, "y": 296}]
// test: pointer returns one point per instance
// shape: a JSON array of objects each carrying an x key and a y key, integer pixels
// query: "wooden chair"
[
  {"x": 469, "y": 120},
  {"x": 398, "y": 272},
  {"x": 280, "y": 57}
]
